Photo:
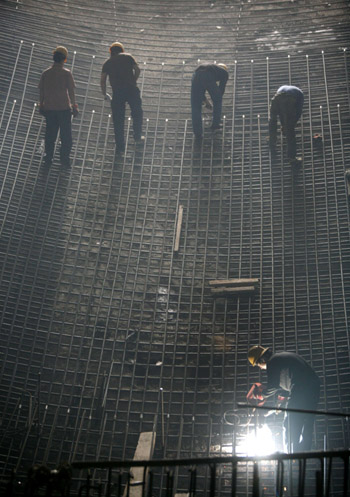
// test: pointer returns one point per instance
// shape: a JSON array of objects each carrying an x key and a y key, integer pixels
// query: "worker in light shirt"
[{"x": 57, "y": 104}]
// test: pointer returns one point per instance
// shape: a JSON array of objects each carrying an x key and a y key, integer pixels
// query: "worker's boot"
[{"x": 140, "y": 141}]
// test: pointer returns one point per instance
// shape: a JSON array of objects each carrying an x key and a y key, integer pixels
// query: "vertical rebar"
[
  {"x": 17, "y": 171},
  {"x": 6, "y": 131},
  {"x": 11, "y": 82},
  {"x": 345, "y": 51}
]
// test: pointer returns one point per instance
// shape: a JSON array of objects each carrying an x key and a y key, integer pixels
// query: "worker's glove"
[
  {"x": 108, "y": 98},
  {"x": 255, "y": 393},
  {"x": 75, "y": 110},
  {"x": 257, "y": 396}
]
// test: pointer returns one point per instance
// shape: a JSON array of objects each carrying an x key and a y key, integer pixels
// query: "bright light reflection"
[{"x": 259, "y": 442}]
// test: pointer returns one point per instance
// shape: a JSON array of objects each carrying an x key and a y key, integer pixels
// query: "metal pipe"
[
  {"x": 301, "y": 478},
  {"x": 256, "y": 481},
  {"x": 289, "y": 409}
]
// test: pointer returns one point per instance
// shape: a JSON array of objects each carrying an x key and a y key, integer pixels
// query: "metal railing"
[{"x": 117, "y": 479}]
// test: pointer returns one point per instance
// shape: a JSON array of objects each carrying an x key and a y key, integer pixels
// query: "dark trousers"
[
  {"x": 58, "y": 120},
  {"x": 299, "y": 427},
  {"x": 122, "y": 96},
  {"x": 288, "y": 117},
  {"x": 203, "y": 81}
]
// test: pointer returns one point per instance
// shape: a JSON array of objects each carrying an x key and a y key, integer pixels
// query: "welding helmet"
[
  {"x": 116, "y": 44},
  {"x": 61, "y": 50},
  {"x": 224, "y": 66},
  {"x": 255, "y": 353}
]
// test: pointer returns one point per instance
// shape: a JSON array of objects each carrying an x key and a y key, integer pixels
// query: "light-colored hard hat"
[
  {"x": 255, "y": 353},
  {"x": 224, "y": 66},
  {"x": 61, "y": 50},
  {"x": 115, "y": 45}
]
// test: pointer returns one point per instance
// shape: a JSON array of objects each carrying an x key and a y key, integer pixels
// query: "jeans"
[
  {"x": 130, "y": 95},
  {"x": 203, "y": 81},
  {"x": 58, "y": 120}
]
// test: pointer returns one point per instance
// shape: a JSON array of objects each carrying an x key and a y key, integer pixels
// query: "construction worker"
[
  {"x": 123, "y": 73},
  {"x": 288, "y": 105},
  {"x": 57, "y": 104},
  {"x": 289, "y": 375},
  {"x": 205, "y": 78}
]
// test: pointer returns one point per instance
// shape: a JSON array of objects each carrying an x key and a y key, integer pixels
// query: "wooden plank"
[
  {"x": 182, "y": 495},
  {"x": 143, "y": 452},
  {"x": 178, "y": 228},
  {"x": 235, "y": 282},
  {"x": 239, "y": 290}
]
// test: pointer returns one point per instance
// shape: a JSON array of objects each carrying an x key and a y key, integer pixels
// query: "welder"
[
  {"x": 288, "y": 105},
  {"x": 289, "y": 375},
  {"x": 211, "y": 78},
  {"x": 57, "y": 104},
  {"x": 123, "y": 72}
]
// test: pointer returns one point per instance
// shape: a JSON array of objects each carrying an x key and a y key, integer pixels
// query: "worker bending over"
[
  {"x": 205, "y": 78},
  {"x": 289, "y": 375},
  {"x": 57, "y": 104},
  {"x": 288, "y": 105},
  {"x": 123, "y": 72}
]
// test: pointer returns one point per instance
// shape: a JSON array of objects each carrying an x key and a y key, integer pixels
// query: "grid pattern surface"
[{"x": 106, "y": 331}]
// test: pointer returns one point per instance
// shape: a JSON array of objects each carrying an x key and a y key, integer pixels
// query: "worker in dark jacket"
[
  {"x": 288, "y": 374},
  {"x": 288, "y": 105},
  {"x": 205, "y": 78},
  {"x": 123, "y": 72}
]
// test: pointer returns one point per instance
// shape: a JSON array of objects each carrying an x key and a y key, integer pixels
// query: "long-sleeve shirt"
[
  {"x": 288, "y": 371},
  {"x": 220, "y": 74}
]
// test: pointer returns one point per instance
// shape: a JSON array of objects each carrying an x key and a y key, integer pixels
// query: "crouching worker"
[
  {"x": 289, "y": 375},
  {"x": 57, "y": 104},
  {"x": 288, "y": 105},
  {"x": 205, "y": 78},
  {"x": 123, "y": 72}
]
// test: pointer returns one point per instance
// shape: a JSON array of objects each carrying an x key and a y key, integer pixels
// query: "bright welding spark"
[{"x": 259, "y": 442}]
